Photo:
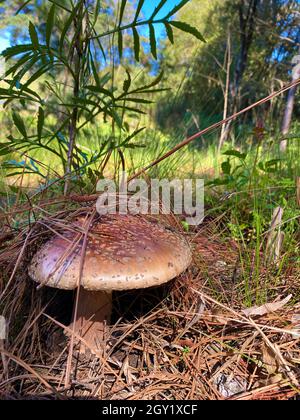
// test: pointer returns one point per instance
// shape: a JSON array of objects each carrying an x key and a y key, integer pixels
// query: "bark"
[
  {"x": 247, "y": 18},
  {"x": 247, "y": 10},
  {"x": 288, "y": 113}
]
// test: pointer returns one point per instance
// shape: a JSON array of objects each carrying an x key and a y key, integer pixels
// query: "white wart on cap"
[{"x": 123, "y": 252}]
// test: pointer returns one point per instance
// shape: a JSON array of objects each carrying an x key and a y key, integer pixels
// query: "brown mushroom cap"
[{"x": 123, "y": 252}]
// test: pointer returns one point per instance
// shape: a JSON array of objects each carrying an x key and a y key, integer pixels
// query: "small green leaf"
[
  {"x": 97, "y": 11},
  {"x": 91, "y": 175},
  {"x": 50, "y": 24},
  {"x": 27, "y": 172},
  {"x": 100, "y": 89},
  {"x": 104, "y": 79},
  {"x": 128, "y": 108},
  {"x": 217, "y": 182},
  {"x": 135, "y": 146},
  {"x": 139, "y": 100},
  {"x": 34, "y": 36},
  {"x": 5, "y": 149},
  {"x": 138, "y": 10},
  {"x": 235, "y": 153},
  {"x": 61, "y": 5},
  {"x": 131, "y": 136},
  {"x": 122, "y": 8},
  {"x": 19, "y": 123},
  {"x": 38, "y": 74},
  {"x": 185, "y": 225},
  {"x": 120, "y": 44},
  {"x": 101, "y": 48},
  {"x": 115, "y": 116},
  {"x": 67, "y": 26},
  {"x": 148, "y": 91},
  {"x": 176, "y": 8},
  {"x": 30, "y": 92},
  {"x": 40, "y": 123},
  {"x": 185, "y": 27},
  {"x": 226, "y": 167},
  {"x": 169, "y": 31},
  {"x": 16, "y": 50},
  {"x": 152, "y": 84},
  {"x": 18, "y": 64},
  {"x": 127, "y": 82},
  {"x": 152, "y": 41},
  {"x": 157, "y": 8},
  {"x": 136, "y": 44},
  {"x": 94, "y": 71},
  {"x": 273, "y": 162},
  {"x": 25, "y": 69},
  {"x": 271, "y": 165},
  {"x": 22, "y": 7}
]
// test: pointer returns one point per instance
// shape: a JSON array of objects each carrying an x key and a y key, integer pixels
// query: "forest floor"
[{"x": 191, "y": 339}]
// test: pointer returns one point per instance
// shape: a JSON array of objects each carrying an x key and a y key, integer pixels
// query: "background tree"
[{"x": 263, "y": 42}]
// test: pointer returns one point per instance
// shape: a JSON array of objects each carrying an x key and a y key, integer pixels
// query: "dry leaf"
[
  {"x": 267, "y": 308},
  {"x": 269, "y": 360},
  {"x": 126, "y": 368}
]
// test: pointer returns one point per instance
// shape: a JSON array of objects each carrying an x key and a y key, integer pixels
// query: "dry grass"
[{"x": 186, "y": 340}]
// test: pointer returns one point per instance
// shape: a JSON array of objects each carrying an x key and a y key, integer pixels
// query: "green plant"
[
  {"x": 83, "y": 94},
  {"x": 252, "y": 184}
]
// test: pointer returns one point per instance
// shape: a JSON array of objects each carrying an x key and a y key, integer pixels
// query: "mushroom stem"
[{"x": 93, "y": 314}]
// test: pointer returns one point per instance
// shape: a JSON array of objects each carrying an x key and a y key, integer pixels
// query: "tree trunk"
[
  {"x": 247, "y": 10},
  {"x": 288, "y": 113},
  {"x": 247, "y": 17}
]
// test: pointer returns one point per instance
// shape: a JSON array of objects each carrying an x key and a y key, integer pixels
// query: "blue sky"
[
  {"x": 151, "y": 4},
  {"x": 3, "y": 42},
  {"x": 148, "y": 8}
]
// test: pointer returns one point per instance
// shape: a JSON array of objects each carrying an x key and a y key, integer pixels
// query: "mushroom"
[{"x": 123, "y": 252}]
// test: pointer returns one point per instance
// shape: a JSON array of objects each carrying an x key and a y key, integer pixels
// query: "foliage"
[
  {"x": 202, "y": 68},
  {"x": 252, "y": 184},
  {"x": 68, "y": 44}
]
